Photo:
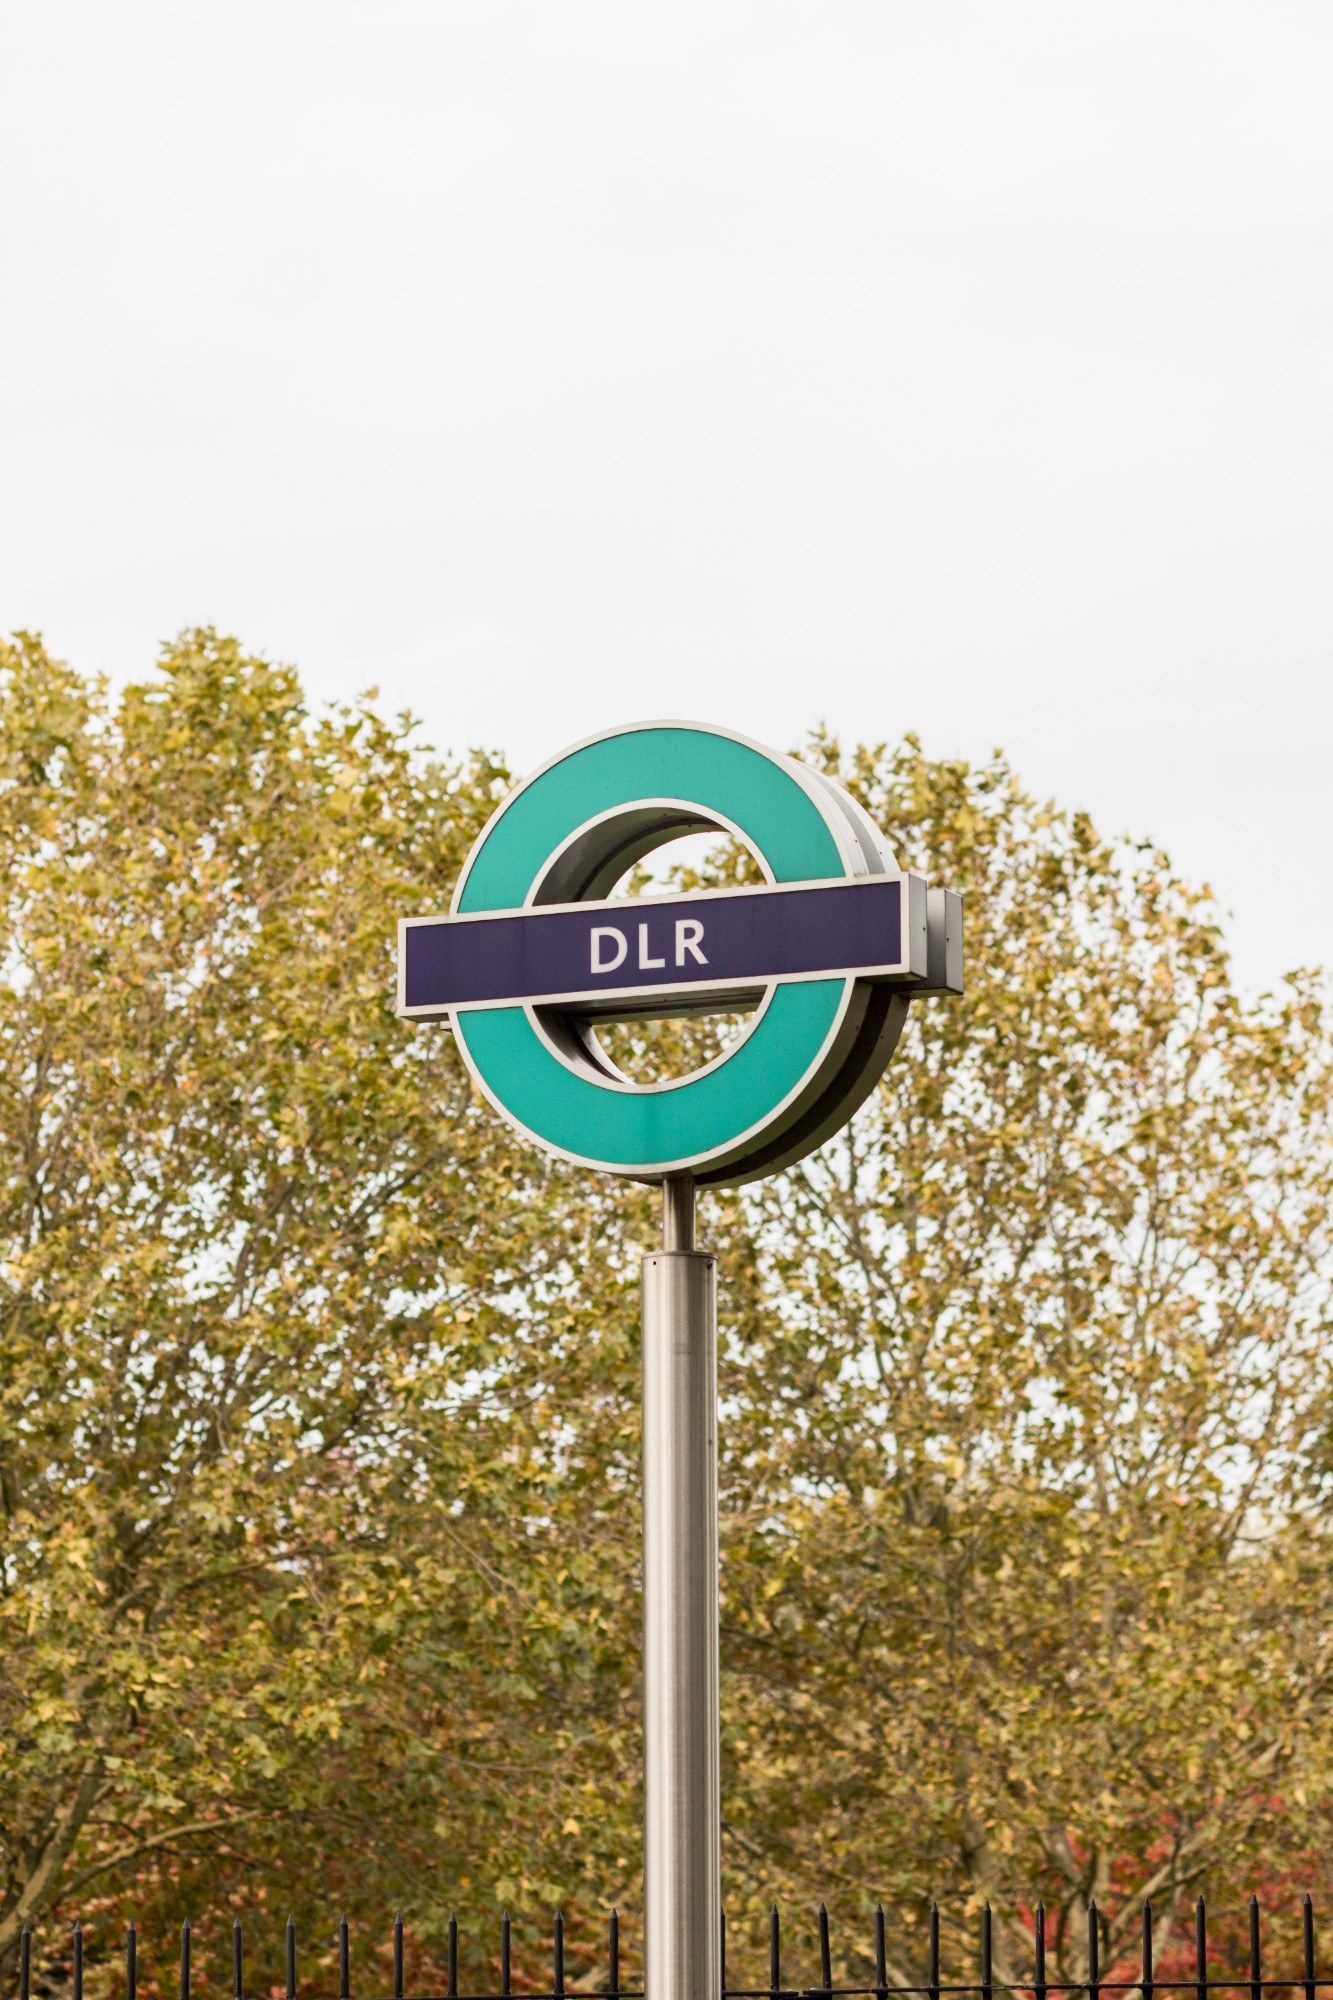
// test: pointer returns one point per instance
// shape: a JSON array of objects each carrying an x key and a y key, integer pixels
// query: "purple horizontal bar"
[{"x": 687, "y": 944}]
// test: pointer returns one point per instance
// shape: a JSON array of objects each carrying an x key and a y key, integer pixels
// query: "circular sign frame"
[{"x": 813, "y": 1049}]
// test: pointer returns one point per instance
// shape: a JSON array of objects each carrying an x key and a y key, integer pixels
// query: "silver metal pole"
[{"x": 682, "y": 1784}]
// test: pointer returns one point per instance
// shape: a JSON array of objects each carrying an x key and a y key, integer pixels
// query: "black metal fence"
[{"x": 1140, "y": 1980}]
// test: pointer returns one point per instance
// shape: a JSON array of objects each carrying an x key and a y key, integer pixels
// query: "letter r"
[{"x": 689, "y": 936}]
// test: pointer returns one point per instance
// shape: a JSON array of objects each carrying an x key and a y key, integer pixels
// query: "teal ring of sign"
[{"x": 815, "y": 1047}]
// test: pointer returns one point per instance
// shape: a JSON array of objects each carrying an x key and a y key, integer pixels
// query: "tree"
[
  {"x": 318, "y": 1411},
  {"x": 289, "y": 1328},
  {"x": 1025, "y": 1558}
]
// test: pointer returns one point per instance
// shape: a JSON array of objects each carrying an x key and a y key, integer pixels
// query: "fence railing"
[{"x": 1142, "y": 1980}]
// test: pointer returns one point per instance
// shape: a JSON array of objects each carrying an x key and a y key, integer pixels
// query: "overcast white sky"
[{"x": 965, "y": 368}]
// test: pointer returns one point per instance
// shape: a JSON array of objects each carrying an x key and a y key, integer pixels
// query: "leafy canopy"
[{"x": 318, "y": 1396}]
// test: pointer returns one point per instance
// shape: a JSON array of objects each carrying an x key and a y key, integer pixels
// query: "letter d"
[{"x": 620, "y": 947}]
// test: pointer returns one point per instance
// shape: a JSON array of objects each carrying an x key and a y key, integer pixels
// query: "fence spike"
[
  {"x": 934, "y": 1988},
  {"x": 987, "y": 1978},
  {"x": 1256, "y": 1976},
  {"x": 398, "y": 1956},
  {"x": 1094, "y": 1941},
  {"x": 453, "y": 1956},
  {"x": 881, "y": 1956},
  {"x": 1039, "y": 1953},
  {"x": 506, "y": 1986},
  {"x": 1307, "y": 1943},
  {"x": 344, "y": 1961},
  {"x": 1145, "y": 1974},
  {"x": 613, "y": 1955},
  {"x": 825, "y": 1960},
  {"x": 558, "y": 1954},
  {"x": 25, "y": 1962},
  {"x": 78, "y": 1961},
  {"x": 131, "y": 1963},
  {"x": 291, "y": 1958},
  {"x": 185, "y": 1960},
  {"x": 1200, "y": 1951},
  {"x": 722, "y": 1952},
  {"x": 774, "y": 1951}
]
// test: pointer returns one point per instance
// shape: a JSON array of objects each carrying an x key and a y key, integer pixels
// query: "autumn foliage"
[{"x": 318, "y": 1392}]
